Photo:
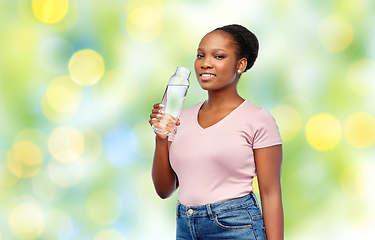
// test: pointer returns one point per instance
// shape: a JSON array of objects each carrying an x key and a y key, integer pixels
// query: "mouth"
[{"x": 206, "y": 76}]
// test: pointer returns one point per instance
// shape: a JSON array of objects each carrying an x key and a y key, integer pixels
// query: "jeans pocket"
[
  {"x": 234, "y": 219},
  {"x": 259, "y": 229}
]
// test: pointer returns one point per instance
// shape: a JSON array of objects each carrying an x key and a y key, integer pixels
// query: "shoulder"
[
  {"x": 263, "y": 125},
  {"x": 256, "y": 112},
  {"x": 258, "y": 117}
]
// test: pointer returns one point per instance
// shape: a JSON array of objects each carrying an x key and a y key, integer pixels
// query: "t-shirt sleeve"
[
  {"x": 171, "y": 137},
  {"x": 267, "y": 132}
]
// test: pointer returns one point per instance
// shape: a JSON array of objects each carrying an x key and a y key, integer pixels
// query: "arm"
[
  {"x": 163, "y": 176},
  {"x": 268, "y": 165}
]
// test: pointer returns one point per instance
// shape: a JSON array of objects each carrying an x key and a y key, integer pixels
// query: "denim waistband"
[{"x": 215, "y": 208}]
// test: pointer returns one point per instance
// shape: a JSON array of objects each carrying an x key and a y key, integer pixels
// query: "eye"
[
  {"x": 199, "y": 55},
  {"x": 220, "y": 56}
]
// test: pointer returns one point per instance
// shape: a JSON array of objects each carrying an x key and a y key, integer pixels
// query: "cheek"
[
  {"x": 196, "y": 66},
  {"x": 227, "y": 68}
]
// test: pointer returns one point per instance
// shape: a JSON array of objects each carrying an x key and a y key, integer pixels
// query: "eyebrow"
[{"x": 215, "y": 49}]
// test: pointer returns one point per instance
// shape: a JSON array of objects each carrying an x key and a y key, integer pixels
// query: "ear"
[{"x": 241, "y": 65}]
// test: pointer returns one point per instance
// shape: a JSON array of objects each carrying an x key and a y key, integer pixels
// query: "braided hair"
[{"x": 245, "y": 43}]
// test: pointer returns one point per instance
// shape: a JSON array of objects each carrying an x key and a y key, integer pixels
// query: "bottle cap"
[
  {"x": 181, "y": 77},
  {"x": 183, "y": 72}
]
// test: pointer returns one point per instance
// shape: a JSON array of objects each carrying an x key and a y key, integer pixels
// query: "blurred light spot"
[
  {"x": 104, "y": 207},
  {"x": 70, "y": 18},
  {"x": 323, "y": 131},
  {"x": 288, "y": 120},
  {"x": 25, "y": 160},
  {"x": 50, "y": 11},
  {"x": 355, "y": 9},
  {"x": 7, "y": 179},
  {"x": 27, "y": 14},
  {"x": 255, "y": 185},
  {"x": 93, "y": 145},
  {"x": 28, "y": 153},
  {"x": 66, "y": 174},
  {"x": 26, "y": 221},
  {"x": 335, "y": 33},
  {"x": 46, "y": 189},
  {"x": 361, "y": 77},
  {"x": 59, "y": 225},
  {"x": 86, "y": 67},
  {"x": 35, "y": 136},
  {"x": 66, "y": 144},
  {"x": 54, "y": 116},
  {"x": 61, "y": 100},
  {"x": 118, "y": 147},
  {"x": 360, "y": 130},
  {"x": 54, "y": 55},
  {"x": 109, "y": 234},
  {"x": 119, "y": 89},
  {"x": 144, "y": 24},
  {"x": 352, "y": 182},
  {"x": 299, "y": 101}
]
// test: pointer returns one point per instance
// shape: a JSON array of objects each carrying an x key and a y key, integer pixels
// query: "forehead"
[{"x": 216, "y": 39}]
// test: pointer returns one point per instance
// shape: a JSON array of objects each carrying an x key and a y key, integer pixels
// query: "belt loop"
[
  {"x": 255, "y": 199},
  {"x": 209, "y": 211}
]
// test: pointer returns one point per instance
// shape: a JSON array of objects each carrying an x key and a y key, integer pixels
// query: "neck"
[{"x": 223, "y": 98}]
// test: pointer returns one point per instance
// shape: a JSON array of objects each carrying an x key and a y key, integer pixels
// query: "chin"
[
  {"x": 204, "y": 85},
  {"x": 207, "y": 87}
]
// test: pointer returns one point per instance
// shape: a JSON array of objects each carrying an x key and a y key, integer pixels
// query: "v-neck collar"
[{"x": 219, "y": 122}]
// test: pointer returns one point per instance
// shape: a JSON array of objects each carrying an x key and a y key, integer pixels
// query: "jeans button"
[{"x": 190, "y": 211}]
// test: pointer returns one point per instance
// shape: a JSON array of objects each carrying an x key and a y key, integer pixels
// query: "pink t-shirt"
[{"x": 217, "y": 163}]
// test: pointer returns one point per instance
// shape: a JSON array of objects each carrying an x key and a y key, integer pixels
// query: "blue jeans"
[{"x": 238, "y": 218}]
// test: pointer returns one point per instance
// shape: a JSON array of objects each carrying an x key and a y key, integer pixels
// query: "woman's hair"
[{"x": 245, "y": 43}]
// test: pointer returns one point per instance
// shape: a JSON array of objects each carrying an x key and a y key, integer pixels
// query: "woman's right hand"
[{"x": 163, "y": 121}]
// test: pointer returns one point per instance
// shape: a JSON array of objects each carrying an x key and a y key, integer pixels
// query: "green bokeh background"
[{"x": 327, "y": 194}]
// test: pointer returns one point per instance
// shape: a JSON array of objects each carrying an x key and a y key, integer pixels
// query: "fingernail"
[
  {"x": 159, "y": 115},
  {"x": 153, "y": 119},
  {"x": 161, "y": 111},
  {"x": 161, "y": 105}
]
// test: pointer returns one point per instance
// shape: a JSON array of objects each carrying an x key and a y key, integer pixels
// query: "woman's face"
[{"x": 216, "y": 63}]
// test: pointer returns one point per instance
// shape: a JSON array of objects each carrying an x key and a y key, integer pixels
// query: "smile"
[{"x": 207, "y": 75}]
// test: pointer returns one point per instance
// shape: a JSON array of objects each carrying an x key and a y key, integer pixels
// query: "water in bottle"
[{"x": 173, "y": 100}]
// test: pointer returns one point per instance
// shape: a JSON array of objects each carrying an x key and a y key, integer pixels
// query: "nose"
[{"x": 206, "y": 63}]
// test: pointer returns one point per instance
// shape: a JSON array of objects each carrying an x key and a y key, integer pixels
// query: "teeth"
[{"x": 206, "y": 75}]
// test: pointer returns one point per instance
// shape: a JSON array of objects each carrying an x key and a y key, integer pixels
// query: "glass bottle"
[{"x": 173, "y": 100}]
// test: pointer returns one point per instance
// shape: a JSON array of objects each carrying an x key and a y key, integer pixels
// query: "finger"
[
  {"x": 156, "y": 114},
  {"x": 157, "y": 111},
  {"x": 158, "y": 105},
  {"x": 153, "y": 120}
]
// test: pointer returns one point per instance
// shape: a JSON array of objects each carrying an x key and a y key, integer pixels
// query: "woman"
[{"x": 218, "y": 147}]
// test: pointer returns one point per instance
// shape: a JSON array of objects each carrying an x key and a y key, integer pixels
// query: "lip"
[{"x": 206, "y": 76}]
